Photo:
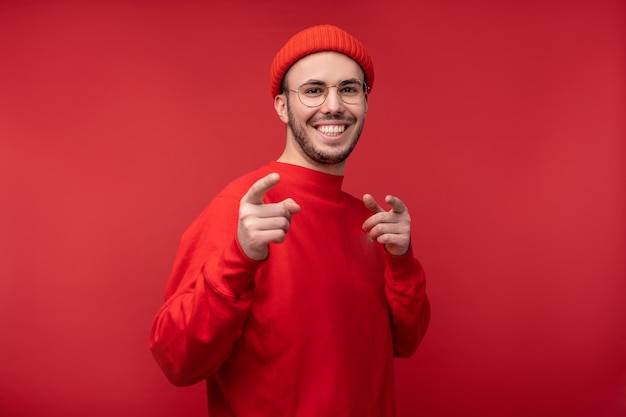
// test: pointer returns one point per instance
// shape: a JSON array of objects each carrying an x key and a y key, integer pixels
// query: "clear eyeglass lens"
[{"x": 313, "y": 95}]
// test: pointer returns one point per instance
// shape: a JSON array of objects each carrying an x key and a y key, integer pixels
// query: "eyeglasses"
[{"x": 314, "y": 93}]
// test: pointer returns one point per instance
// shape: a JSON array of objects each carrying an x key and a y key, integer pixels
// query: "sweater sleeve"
[
  {"x": 208, "y": 297},
  {"x": 405, "y": 288}
]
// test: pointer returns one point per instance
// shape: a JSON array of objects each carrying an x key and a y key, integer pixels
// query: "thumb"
[
  {"x": 291, "y": 205},
  {"x": 371, "y": 204}
]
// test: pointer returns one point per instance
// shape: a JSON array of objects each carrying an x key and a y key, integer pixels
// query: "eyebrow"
[
  {"x": 315, "y": 82},
  {"x": 350, "y": 81},
  {"x": 342, "y": 82}
]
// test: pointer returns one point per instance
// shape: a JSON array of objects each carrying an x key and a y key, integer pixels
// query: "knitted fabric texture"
[{"x": 318, "y": 39}]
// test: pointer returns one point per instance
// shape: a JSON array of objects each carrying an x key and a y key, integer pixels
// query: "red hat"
[{"x": 317, "y": 39}]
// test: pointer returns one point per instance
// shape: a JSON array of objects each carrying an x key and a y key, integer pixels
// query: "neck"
[{"x": 294, "y": 156}]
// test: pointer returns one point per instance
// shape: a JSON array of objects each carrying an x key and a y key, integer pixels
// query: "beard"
[{"x": 318, "y": 155}]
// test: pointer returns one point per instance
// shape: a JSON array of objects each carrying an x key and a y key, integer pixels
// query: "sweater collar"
[{"x": 306, "y": 180}]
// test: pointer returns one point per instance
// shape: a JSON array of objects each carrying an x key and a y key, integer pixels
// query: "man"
[{"x": 289, "y": 296}]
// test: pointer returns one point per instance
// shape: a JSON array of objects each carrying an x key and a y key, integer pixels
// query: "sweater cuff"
[
  {"x": 403, "y": 271},
  {"x": 237, "y": 272}
]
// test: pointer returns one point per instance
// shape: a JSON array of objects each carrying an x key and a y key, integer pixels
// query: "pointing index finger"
[
  {"x": 397, "y": 206},
  {"x": 258, "y": 190}
]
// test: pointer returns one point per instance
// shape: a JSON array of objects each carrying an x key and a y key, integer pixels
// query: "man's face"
[{"x": 327, "y": 134}]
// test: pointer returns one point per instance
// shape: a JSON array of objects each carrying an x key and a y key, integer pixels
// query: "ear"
[{"x": 280, "y": 105}]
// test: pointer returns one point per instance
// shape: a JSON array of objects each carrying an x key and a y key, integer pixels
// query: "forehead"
[{"x": 329, "y": 67}]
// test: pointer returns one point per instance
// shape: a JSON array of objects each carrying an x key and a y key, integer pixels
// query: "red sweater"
[{"x": 311, "y": 330}]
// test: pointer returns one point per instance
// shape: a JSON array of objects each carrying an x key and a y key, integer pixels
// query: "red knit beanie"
[{"x": 317, "y": 39}]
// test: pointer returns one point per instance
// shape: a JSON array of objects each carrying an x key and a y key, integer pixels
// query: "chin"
[{"x": 329, "y": 155}]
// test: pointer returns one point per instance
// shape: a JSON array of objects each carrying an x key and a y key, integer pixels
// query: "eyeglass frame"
[{"x": 366, "y": 90}]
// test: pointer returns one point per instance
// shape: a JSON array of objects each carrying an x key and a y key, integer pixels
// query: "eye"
[
  {"x": 351, "y": 89},
  {"x": 311, "y": 90}
]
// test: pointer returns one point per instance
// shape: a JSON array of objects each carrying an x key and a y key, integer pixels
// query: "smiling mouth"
[{"x": 331, "y": 130}]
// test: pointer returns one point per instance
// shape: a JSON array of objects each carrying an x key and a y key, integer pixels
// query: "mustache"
[{"x": 334, "y": 118}]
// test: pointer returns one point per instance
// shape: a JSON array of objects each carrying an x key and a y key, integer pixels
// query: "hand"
[
  {"x": 391, "y": 228},
  {"x": 259, "y": 223}
]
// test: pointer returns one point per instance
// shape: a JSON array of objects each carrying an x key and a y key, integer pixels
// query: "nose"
[{"x": 333, "y": 103}]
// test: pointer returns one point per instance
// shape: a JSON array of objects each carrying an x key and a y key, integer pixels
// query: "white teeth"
[{"x": 331, "y": 130}]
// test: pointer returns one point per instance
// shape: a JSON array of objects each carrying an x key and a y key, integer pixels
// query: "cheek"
[{"x": 303, "y": 117}]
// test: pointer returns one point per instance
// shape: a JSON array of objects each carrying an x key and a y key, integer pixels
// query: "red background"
[{"x": 501, "y": 125}]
